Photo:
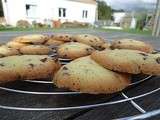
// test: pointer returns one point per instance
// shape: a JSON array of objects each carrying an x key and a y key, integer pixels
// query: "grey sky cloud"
[{"x": 132, "y": 4}]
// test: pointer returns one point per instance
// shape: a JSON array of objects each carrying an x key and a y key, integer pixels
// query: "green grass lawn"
[
  {"x": 132, "y": 31},
  {"x": 37, "y": 29},
  {"x": 22, "y": 29}
]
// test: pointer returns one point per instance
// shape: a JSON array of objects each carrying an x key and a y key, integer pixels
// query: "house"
[
  {"x": 125, "y": 19},
  {"x": 118, "y": 16},
  {"x": 128, "y": 21},
  {"x": 42, "y": 10}
]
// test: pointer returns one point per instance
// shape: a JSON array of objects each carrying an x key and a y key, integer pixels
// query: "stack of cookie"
[
  {"x": 80, "y": 46},
  {"x": 30, "y": 44},
  {"x": 96, "y": 67},
  {"x": 26, "y": 57}
]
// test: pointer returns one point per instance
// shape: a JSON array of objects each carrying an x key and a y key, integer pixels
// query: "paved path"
[{"x": 6, "y": 36}]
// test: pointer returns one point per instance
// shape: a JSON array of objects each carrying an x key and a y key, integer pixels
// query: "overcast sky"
[{"x": 132, "y": 4}]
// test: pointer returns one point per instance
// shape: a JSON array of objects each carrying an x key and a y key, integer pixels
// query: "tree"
[
  {"x": 1, "y": 9},
  {"x": 141, "y": 19},
  {"x": 104, "y": 11}
]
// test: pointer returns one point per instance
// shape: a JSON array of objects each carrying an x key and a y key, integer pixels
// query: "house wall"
[
  {"x": 118, "y": 16},
  {"x": 15, "y": 10}
]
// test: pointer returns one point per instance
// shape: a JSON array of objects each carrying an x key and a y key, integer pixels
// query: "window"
[
  {"x": 31, "y": 10},
  {"x": 84, "y": 14},
  {"x": 62, "y": 12}
]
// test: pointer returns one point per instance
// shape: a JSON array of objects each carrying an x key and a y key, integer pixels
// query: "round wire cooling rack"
[{"x": 93, "y": 101}]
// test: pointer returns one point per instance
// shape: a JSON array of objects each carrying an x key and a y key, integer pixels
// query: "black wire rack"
[{"x": 61, "y": 98}]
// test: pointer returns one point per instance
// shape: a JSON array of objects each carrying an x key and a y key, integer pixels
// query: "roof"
[{"x": 85, "y": 1}]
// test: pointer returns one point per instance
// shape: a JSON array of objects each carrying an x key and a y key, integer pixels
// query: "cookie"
[
  {"x": 128, "y": 61},
  {"x": 94, "y": 41},
  {"x": 16, "y": 45},
  {"x": 27, "y": 67},
  {"x": 32, "y": 39},
  {"x": 74, "y": 50},
  {"x": 7, "y": 51},
  {"x": 131, "y": 44},
  {"x": 86, "y": 76},
  {"x": 62, "y": 37},
  {"x": 35, "y": 50},
  {"x": 52, "y": 42}
]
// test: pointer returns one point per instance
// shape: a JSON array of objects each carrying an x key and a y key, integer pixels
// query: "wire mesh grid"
[{"x": 62, "y": 99}]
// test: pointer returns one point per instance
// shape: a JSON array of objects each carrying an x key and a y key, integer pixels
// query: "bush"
[
  {"x": 140, "y": 24},
  {"x": 141, "y": 18},
  {"x": 74, "y": 24},
  {"x": 40, "y": 25},
  {"x": 23, "y": 24},
  {"x": 2, "y": 26}
]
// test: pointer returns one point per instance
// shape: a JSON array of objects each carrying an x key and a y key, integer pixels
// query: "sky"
[{"x": 132, "y": 4}]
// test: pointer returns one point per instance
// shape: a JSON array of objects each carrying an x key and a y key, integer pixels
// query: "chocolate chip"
[
  {"x": 67, "y": 36},
  {"x": 32, "y": 65},
  {"x": 19, "y": 77},
  {"x": 20, "y": 52},
  {"x": 1, "y": 64},
  {"x": 99, "y": 46},
  {"x": 70, "y": 38},
  {"x": 65, "y": 68},
  {"x": 144, "y": 58},
  {"x": 61, "y": 37},
  {"x": 31, "y": 43},
  {"x": 65, "y": 56},
  {"x": 144, "y": 54},
  {"x": 119, "y": 42},
  {"x": 91, "y": 40},
  {"x": 1, "y": 55},
  {"x": 158, "y": 60},
  {"x": 44, "y": 41},
  {"x": 89, "y": 50},
  {"x": 43, "y": 60},
  {"x": 85, "y": 35},
  {"x": 74, "y": 40}
]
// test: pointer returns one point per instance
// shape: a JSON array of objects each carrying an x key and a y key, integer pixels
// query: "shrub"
[
  {"x": 23, "y": 24},
  {"x": 74, "y": 24},
  {"x": 2, "y": 26},
  {"x": 39, "y": 25}
]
